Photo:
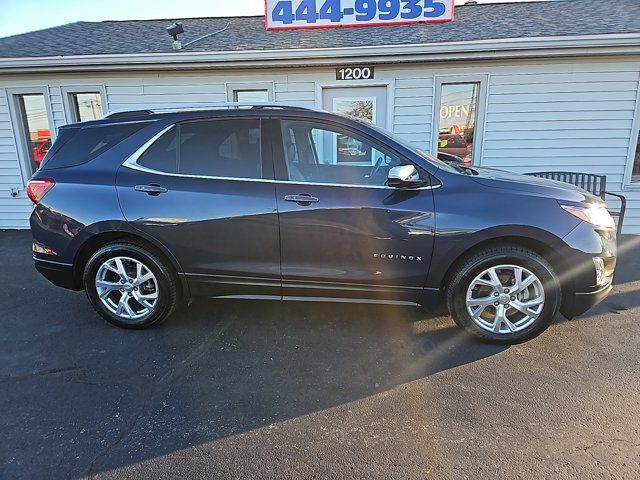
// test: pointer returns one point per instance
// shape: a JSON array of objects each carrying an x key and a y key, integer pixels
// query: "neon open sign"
[{"x": 283, "y": 14}]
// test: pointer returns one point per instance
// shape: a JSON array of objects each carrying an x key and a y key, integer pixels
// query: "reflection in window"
[
  {"x": 350, "y": 150},
  {"x": 312, "y": 154},
  {"x": 458, "y": 107},
  {"x": 250, "y": 96},
  {"x": 35, "y": 127},
  {"x": 220, "y": 148},
  {"x": 636, "y": 163},
  {"x": 86, "y": 106}
]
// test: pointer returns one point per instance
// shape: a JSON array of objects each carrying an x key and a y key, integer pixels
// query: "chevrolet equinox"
[{"x": 144, "y": 208}]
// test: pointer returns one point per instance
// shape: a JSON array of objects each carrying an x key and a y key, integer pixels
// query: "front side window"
[
  {"x": 458, "y": 111},
  {"x": 35, "y": 127},
  {"x": 213, "y": 148},
  {"x": 86, "y": 106},
  {"x": 326, "y": 154}
]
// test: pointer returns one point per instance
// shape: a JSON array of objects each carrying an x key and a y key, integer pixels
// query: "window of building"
[
  {"x": 322, "y": 154},
  {"x": 457, "y": 115},
  {"x": 87, "y": 106},
  {"x": 256, "y": 92},
  {"x": 35, "y": 129},
  {"x": 83, "y": 103},
  {"x": 251, "y": 96},
  {"x": 635, "y": 175}
]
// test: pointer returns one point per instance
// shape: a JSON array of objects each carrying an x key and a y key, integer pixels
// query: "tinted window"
[
  {"x": 322, "y": 154},
  {"x": 221, "y": 148},
  {"x": 89, "y": 142},
  {"x": 162, "y": 155}
]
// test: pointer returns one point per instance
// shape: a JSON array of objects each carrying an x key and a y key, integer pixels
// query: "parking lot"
[{"x": 231, "y": 389}]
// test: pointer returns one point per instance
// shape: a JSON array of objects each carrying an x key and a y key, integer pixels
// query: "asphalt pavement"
[{"x": 250, "y": 390}]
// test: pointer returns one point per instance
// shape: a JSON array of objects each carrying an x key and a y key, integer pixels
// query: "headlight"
[{"x": 595, "y": 215}]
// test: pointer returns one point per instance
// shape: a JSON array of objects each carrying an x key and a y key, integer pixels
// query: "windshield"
[{"x": 427, "y": 156}]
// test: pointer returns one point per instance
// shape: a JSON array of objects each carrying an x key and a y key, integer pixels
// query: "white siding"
[
  {"x": 540, "y": 115},
  {"x": 14, "y": 212},
  {"x": 578, "y": 121},
  {"x": 413, "y": 108}
]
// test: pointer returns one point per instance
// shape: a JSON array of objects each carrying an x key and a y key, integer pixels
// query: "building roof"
[{"x": 560, "y": 18}]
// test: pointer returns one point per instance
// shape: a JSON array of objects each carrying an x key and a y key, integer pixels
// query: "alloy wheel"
[
  {"x": 505, "y": 299},
  {"x": 127, "y": 287}
]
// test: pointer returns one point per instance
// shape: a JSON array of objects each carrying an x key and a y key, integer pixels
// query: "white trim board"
[{"x": 575, "y": 45}]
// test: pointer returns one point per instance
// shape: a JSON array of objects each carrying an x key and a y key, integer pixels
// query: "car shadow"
[
  {"x": 215, "y": 369},
  {"x": 266, "y": 362}
]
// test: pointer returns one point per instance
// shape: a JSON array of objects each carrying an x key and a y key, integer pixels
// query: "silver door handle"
[
  {"x": 303, "y": 199},
  {"x": 150, "y": 189}
]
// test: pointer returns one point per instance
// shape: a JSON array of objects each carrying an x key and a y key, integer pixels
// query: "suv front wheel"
[
  {"x": 129, "y": 286},
  {"x": 504, "y": 294}
]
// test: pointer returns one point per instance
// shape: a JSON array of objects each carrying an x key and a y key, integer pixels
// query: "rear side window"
[
  {"x": 89, "y": 142},
  {"x": 162, "y": 155},
  {"x": 212, "y": 148},
  {"x": 221, "y": 148}
]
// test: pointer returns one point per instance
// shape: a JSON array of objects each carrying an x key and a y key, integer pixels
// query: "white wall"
[{"x": 572, "y": 115}]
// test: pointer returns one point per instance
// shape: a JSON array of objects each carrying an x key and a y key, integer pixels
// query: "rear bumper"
[
  {"x": 581, "y": 302},
  {"x": 58, "y": 273}
]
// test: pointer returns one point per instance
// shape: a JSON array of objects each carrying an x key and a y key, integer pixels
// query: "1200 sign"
[{"x": 336, "y": 13}]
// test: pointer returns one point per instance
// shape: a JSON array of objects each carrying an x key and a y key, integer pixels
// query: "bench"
[{"x": 595, "y": 184}]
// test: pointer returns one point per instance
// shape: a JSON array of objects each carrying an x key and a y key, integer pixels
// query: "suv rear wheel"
[
  {"x": 129, "y": 286},
  {"x": 505, "y": 294}
]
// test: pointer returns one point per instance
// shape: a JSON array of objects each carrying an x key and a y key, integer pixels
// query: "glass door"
[{"x": 364, "y": 103}]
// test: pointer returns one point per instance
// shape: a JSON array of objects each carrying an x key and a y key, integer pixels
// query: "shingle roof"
[{"x": 472, "y": 22}]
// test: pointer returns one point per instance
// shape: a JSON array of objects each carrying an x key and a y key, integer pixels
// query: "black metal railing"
[{"x": 595, "y": 184}]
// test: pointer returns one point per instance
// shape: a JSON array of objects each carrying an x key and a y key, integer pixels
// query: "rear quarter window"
[{"x": 89, "y": 142}]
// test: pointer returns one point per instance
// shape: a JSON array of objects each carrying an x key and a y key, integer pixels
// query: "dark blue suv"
[{"x": 144, "y": 208}]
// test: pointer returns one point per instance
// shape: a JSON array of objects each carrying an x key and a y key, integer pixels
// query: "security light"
[{"x": 174, "y": 30}]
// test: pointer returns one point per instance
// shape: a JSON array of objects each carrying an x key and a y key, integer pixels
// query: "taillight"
[{"x": 36, "y": 189}]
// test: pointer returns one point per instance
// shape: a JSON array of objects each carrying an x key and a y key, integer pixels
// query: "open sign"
[{"x": 454, "y": 111}]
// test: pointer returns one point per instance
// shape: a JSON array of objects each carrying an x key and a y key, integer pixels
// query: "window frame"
[
  {"x": 280, "y": 162},
  {"x": 233, "y": 88},
  {"x": 478, "y": 130},
  {"x": 265, "y": 158},
  {"x": 15, "y": 112},
  {"x": 69, "y": 90},
  {"x": 628, "y": 183}
]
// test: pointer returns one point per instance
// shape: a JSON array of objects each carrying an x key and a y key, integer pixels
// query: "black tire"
[
  {"x": 167, "y": 286},
  {"x": 476, "y": 263}
]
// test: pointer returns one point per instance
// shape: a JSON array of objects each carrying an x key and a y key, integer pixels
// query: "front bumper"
[
  {"x": 580, "y": 302},
  {"x": 581, "y": 291},
  {"x": 58, "y": 273}
]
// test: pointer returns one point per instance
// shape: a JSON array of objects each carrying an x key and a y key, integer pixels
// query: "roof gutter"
[{"x": 611, "y": 44}]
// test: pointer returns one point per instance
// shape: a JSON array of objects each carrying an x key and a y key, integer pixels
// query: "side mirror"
[{"x": 404, "y": 176}]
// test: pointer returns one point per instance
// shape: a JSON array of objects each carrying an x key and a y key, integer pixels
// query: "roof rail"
[{"x": 172, "y": 108}]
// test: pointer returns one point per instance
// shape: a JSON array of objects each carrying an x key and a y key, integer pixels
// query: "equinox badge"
[{"x": 391, "y": 256}]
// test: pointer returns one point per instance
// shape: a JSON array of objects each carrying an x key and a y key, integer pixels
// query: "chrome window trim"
[{"x": 132, "y": 163}]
